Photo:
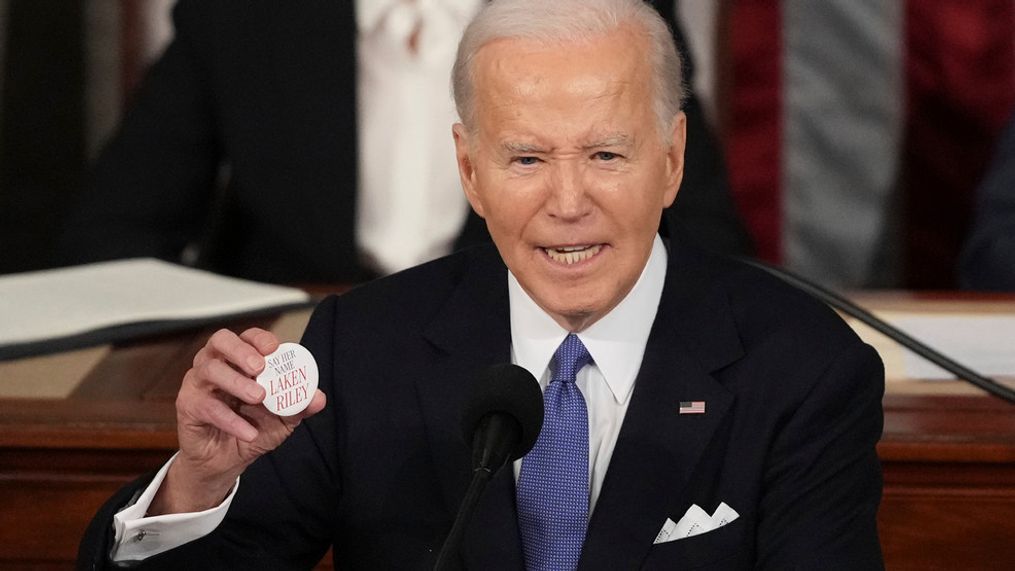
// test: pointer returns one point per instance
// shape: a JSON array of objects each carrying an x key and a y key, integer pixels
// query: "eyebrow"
[
  {"x": 610, "y": 141},
  {"x": 521, "y": 148},
  {"x": 531, "y": 148}
]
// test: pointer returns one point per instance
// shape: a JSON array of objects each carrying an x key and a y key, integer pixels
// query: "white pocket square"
[{"x": 694, "y": 522}]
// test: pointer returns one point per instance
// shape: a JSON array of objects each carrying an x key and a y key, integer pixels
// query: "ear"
[
  {"x": 675, "y": 158},
  {"x": 466, "y": 166}
]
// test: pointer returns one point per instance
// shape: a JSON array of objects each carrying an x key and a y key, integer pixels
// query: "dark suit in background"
[
  {"x": 988, "y": 258},
  {"x": 793, "y": 413},
  {"x": 43, "y": 158},
  {"x": 269, "y": 89}
]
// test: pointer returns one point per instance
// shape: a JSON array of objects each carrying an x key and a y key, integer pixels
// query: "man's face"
[{"x": 567, "y": 165}]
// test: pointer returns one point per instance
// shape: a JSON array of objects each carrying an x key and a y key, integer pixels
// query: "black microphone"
[{"x": 501, "y": 421}]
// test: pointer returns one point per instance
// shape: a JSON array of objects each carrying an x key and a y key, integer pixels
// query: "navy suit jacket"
[
  {"x": 793, "y": 413},
  {"x": 269, "y": 88}
]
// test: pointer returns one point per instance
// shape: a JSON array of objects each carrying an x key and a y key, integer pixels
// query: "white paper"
[
  {"x": 48, "y": 304},
  {"x": 984, "y": 343}
]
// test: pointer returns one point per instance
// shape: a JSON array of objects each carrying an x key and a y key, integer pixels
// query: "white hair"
[{"x": 568, "y": 21}]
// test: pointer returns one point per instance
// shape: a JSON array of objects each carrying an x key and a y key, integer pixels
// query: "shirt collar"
[{"x": 616, "y": 342}]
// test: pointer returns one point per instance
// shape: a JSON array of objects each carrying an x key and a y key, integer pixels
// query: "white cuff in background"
[{"x": 139, "y": 537}]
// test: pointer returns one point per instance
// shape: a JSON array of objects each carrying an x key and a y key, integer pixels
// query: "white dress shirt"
[
  {"x": 136, "y": 537},
  {"x": 410, "y": 206},
  {"x": 616, "y": 343}
]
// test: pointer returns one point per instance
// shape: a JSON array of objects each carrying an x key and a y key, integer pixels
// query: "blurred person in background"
[
  {"x": 988, "y": 258},
  {"x": 261, "y": 145}
]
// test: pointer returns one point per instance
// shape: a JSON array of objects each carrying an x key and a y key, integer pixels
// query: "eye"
[
  {"x": 526, "y": 161},
  {"x": 605, "y": 156}
]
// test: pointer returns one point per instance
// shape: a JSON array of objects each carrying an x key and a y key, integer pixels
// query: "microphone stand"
[
  {"x": 480, "y": 477},
  {"x": 495, "y": 437}
]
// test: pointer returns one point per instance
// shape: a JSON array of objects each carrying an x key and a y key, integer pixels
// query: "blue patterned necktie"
[{"x": 553, "y": 487}]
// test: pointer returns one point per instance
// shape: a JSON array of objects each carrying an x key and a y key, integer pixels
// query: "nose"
[{"x": 568, "y": 194}]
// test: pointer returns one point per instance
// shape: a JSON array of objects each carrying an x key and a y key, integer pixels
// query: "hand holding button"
[{"x": 222, "y": 424}]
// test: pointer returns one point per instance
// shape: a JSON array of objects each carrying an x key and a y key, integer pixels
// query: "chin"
[{"x": 577, "y": 316}]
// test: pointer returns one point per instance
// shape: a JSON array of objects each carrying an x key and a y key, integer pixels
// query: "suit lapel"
[
  {"x": 658, "y": 448},
  {"x": 471, "y": 333}
]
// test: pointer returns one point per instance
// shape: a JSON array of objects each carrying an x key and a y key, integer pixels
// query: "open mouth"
[{"x": 568, "y": 255}]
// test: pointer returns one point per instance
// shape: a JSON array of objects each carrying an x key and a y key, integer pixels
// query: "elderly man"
[{"x": 683, "y": 392}]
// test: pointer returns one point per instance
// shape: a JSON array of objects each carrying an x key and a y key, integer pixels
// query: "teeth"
[{"x": 572, "y": 254}]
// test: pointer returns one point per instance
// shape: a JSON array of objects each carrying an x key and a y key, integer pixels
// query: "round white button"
[{"x": 289, "y": 378}]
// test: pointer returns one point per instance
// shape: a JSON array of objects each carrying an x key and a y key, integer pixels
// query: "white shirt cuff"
[{"x": 138, "y": 537}]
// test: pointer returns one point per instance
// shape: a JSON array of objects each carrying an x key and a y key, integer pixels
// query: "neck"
[{"x": 575, "y": 324}]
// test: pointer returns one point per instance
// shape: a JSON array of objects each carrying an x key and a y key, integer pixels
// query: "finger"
[
  {"x": 263, "y": 341},
  {"x": 237, "y": 351},
  {"x": 263, "y": 417},
  {"x": 317, "y": 404},
  {"x": 203, "y": 355},
  {"x": 275, "y": 429},
  {"x": 217, "y": 374},
  {"x": 211, "y": 411}
]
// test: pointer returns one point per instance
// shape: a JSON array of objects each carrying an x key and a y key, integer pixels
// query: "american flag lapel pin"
[{"x": 692, "y": 407}]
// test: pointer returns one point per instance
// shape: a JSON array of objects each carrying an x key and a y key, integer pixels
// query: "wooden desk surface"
[{"x": 75, "y": 426}]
